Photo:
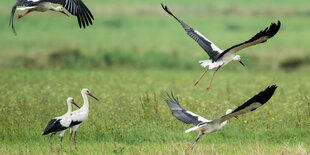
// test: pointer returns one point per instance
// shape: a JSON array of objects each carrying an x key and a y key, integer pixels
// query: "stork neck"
[
  {"x": 69, "y": 108},
  {"x": 85, "y": 99}
]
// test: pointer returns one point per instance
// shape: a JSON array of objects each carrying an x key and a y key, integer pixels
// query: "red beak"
[
  {"x": 92, "y": 95},
  {"x": 64, "y": 13}
]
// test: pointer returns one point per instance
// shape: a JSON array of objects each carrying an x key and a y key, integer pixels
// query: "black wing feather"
[
  {"x": 25, "y": 3},
  {"x": 252, "y": 104},
  {"x": 267, "y": 33},
  {"x": 261, "y": 98},
  {"x": 76, "y": 8},
  {"x": 180, "y": 113},
  {"x": 205, "y": 44},
  {"x": 73, "y": 123},
  {"x": 53, "y": 126}
]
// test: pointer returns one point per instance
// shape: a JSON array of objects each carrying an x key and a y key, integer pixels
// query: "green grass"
[{"x": 119, "y": 123}]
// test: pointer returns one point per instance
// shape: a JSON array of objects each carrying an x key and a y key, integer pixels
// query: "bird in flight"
[
  {"x": 75, "y": 7},
  {"x": 207, "y": 126},
  {"x": 218, "y": 57}
]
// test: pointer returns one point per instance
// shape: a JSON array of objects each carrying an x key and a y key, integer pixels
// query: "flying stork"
[
  {"x": 60, "y": 124},
  {"x": 75, "y": 7},
  {"x": 218, "y": 57},
  {"x": 207, "y": 126},
  {"x": 80, "y": 115}
]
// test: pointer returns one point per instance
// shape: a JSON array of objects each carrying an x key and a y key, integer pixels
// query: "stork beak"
[
  {"x": 75, "y": 104},
  {"x": 242, "y": 63},
  {"x": 92, "y": 95},
  {"x": 64, "y": 13}
]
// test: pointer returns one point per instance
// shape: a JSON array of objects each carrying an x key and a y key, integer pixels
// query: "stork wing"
[
  {"x": 76, "y": 8},
  {"x": 181, "y": 113},
  {"x": 252, "y": 104},
  {"x": 49, "y": 126},
  {"x": 19, "y": 3},
  {"x": 260, "y": 37},
  {"x": 212, "y": 50}
]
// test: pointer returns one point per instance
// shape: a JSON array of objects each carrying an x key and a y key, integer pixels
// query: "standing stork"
[
  {"x": 80, "y": 115},
  {"x": 75, "y": 7},
  {"x": 207, "y": 126},
  {"x": 60, "y": 124},
  {"x": 218, "y": 57}
]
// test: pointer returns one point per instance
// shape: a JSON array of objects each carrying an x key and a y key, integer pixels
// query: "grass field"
[{"x": 135, "y": 52}]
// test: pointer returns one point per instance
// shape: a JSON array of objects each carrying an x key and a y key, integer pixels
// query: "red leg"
[
  {"x": 208, "y": 88},
  {"x": 71, "y": 140},
  {"x": 22, "y": 15},
  {"x": 200, "y": 77},
  {"x": 190, "y": 147},
  {"x": 51, "y": 139},
  {"x": 75, "y": 140}
]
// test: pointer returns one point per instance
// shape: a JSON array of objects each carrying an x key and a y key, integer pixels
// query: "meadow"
[{"x": 132, "y": 55}]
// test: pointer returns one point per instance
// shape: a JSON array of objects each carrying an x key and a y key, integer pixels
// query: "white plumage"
[
  {"x": 80, "y": 115},
  {"x": 61, "y": 123},
  {"x": 75, "y": 7},
  {"x": 207, "y": 126},
  {"x": 219, "y": 58}
]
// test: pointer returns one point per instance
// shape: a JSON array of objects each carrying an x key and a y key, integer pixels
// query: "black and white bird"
[
  {"x": 60, "y": 124},
  {"x": 75, "y": 7},
  {"x": 218, "y": 57},
  {"x": 80, "y": 115},
  {"x": 207, "y": 126}
]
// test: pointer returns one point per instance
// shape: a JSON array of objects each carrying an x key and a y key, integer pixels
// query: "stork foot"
[
  {"x": 207, "y": 90},
  {"x": 20, "y": 16}
]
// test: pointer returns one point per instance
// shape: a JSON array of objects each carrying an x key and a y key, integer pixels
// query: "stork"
[
  {"x": 207, "y": 126},
  {"x": 80, "y": 115},
  {"x": 218, "y": 57},
  {"x": 60, "y": 124},
  {"x": 75, "y": 7}
]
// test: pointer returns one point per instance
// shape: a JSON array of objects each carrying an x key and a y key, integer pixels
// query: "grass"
[{"x": 119, "y": 122}]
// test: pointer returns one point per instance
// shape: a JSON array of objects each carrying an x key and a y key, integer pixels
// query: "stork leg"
[
  {"x": 75, "y": 140},
  {"x": 51, "y": 140},
  {"x": 190, "y": 147},
  {"x": 200, "y": 77},
  {"x": 61, "y": 142},
  {"x": 208, "y": 88},
  {"x": 22, "y": 15},
  {"x": 71, "y": 132}
]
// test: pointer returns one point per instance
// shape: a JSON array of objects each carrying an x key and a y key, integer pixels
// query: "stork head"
[
  {"x": 71, "y": 100},
  {"x": 87, "y": 92},
  {"x": 238, "y": 58},
  {"x": 61, "y": 10},
  {"x": 228, "y": 111}
]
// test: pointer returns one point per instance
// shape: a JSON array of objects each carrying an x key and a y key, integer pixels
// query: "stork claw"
[{"x": 19, "y": 16}]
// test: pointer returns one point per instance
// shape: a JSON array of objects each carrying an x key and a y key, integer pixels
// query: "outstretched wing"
[
  {"x": 252, "y": 104},
  {"x": 182, "y": 114},
  {"x": 260, "y": 37},
  {"x": 76, "y": 8},
  {"x": 212, "y": 50},
  {"x": 26, "y": 3}
]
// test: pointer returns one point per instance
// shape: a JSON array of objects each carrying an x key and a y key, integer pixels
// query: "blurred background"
[
  {"x": 139, "y": 34},
  {"x": 132, "y": 54}
]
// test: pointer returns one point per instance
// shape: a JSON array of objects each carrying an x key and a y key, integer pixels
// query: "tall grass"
[{"x": 128, "y": 114}]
